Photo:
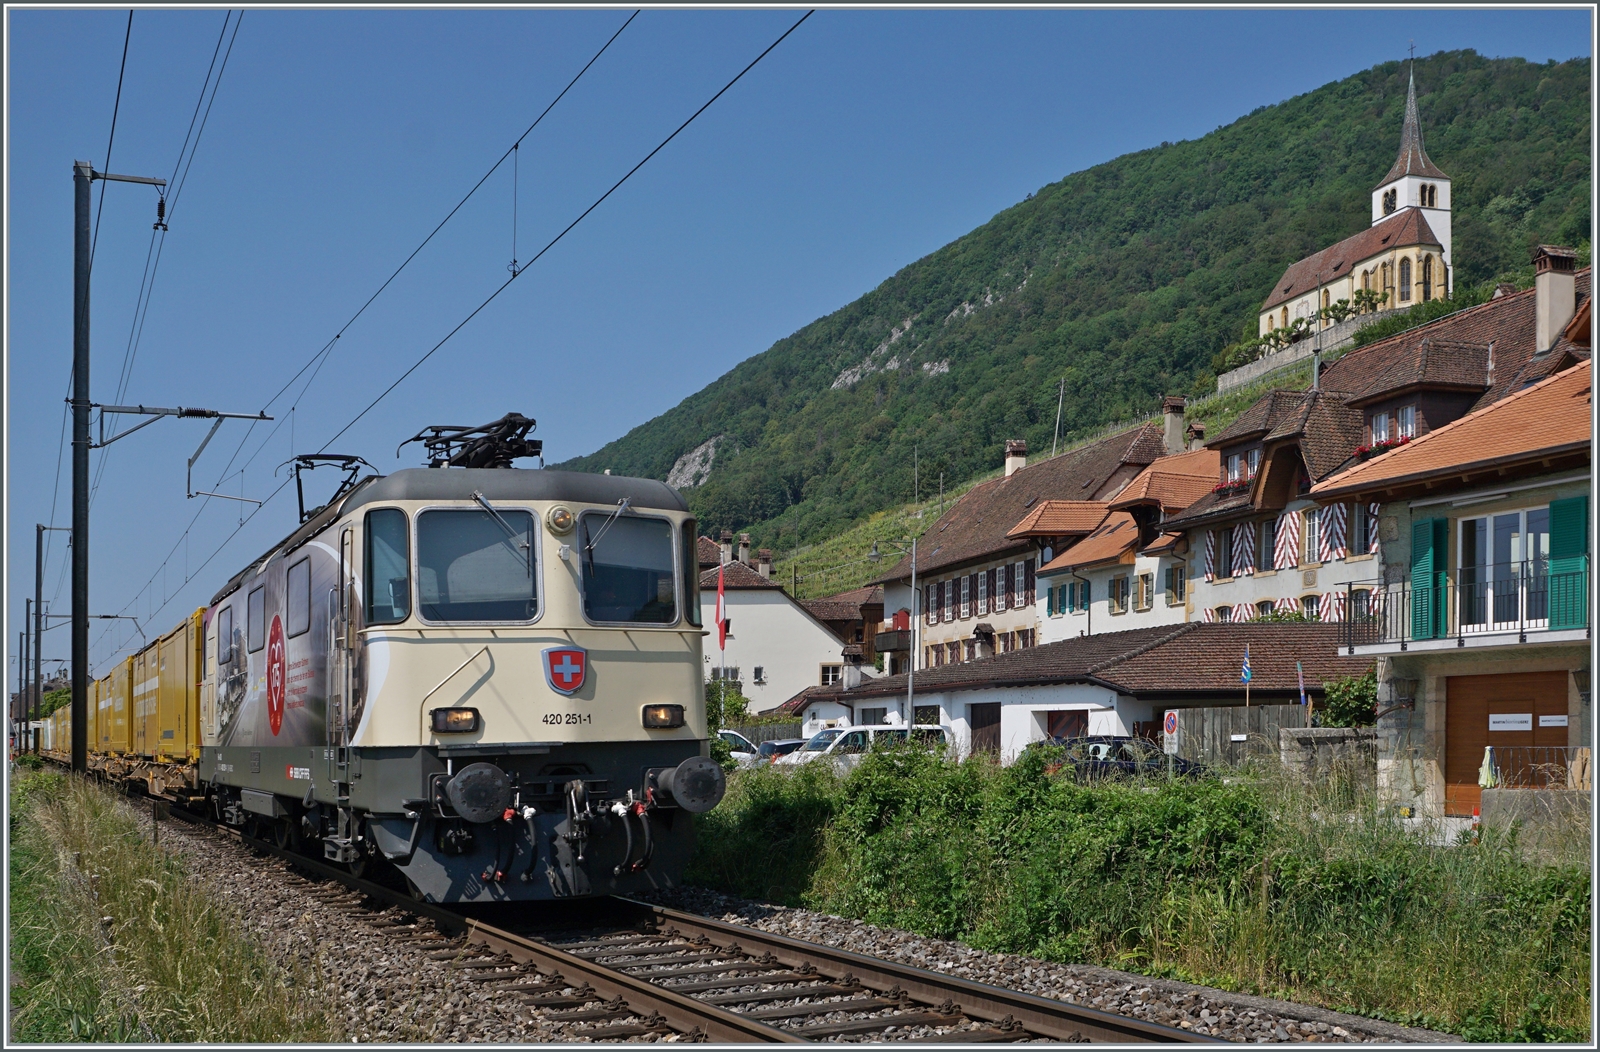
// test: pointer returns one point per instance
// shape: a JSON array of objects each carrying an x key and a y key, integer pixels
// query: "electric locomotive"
[{"x": 486, "y": 677}]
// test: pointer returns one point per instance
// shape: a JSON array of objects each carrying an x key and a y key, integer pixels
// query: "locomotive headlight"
[
  {"x": 663, "y": 715},
  {"x": 455, "y": 721},
  {"x": 560, "y": 519}
]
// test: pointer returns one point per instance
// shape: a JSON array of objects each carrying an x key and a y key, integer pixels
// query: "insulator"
[{"x": 161, "y": 208}]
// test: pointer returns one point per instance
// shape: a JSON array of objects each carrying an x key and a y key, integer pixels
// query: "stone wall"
[
  {"x": 1334, "y": 337},
  {"x": 1314, "y": 751}
]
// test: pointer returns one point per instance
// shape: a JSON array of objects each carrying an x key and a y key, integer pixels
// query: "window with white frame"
[
  {"x": 832, "y": 674},
  {"x": 1504, "y": 560},
  {"x": 1176, "y": 585},
  {"x": 1380, "y": 427},
  {"x": 1147, "y": 591},
  {"x": 1311, "y": 530},
  {"x": 1405, "y": 422},
  {"x": 1308, "y": 605},
  {"x": 1235, "y": 463},
  {"x": 1252, "y": 462},
  {"x": 1119, "y": 595}
]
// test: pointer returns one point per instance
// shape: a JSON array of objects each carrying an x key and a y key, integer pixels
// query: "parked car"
[
  {"x": 1107, "y": 754},
  {"x": 744, "y": 750},
  {"x": 844, "y": 746},
  {"x": 768, "y": 752}
]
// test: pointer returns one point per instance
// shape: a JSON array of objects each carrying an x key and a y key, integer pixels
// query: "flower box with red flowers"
[
  {"x": 1229, "y": 487},
  {"x": 1379, "y": 448}
]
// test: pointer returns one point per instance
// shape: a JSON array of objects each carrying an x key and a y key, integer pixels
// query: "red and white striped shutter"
[
  {"x": 1288, "y": 605},
  {"x": 1208, "y": 615},
  {"x": 1332, "y": 606},
  {"x": 1211, "y": 558},
  {"x": 1243, "y": 612},
  {"x": 1287, "y": 553},
  {"x": 1372, "y": 527},
  {"x": 1002, "y": 585},
  {"x": 1336, "y": 531},
  {"x": 983, "y": 594},
  {"x": 1244, "y": 552}
]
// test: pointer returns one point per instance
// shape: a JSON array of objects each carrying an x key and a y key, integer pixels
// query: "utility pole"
[{"x": 83, "y": 176}]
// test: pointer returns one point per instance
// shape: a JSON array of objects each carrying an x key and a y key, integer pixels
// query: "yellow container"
[
  {"x": 119, "y": 740},
  {"x": 146, "y": 680},
  {"x": 96, "y": 692},
  {"x": 178, "y": 694}
]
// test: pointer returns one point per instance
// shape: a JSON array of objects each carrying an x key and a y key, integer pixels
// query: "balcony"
[
  {"x": 892, "y": 641},
  {"x": 1510, "y": 606}
]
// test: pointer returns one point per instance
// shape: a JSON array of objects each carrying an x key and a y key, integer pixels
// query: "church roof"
[
  {"x": 1413, "y": 160},
  {"x": 1406, "y": 227}
]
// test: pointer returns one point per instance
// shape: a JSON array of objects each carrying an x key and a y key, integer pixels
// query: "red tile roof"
[
  {"x": 975, "y": 527},
  {"x": 735, "y": 575},
  {"x": 1055, "y": 518},
  {"x": 1173, "y": 662},
  {"x": 1173, "y": 483},
  {"x": 1549, "y": 419},
  {"x": 1405, "y": 228},
  {"x": 708, "y": 551},
  {"x": 844, "y": 606},
  {"x": 1115, "y": 537}
]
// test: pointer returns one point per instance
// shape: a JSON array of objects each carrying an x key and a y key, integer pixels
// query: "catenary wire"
[
  {"x": 320, "y": 358},
  {"x": 567, "y": 229}
]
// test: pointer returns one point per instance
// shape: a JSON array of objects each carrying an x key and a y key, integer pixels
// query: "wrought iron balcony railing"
[{"x": 1465, "y": 604}]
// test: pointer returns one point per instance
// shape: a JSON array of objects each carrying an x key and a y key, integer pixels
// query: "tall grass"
[
  {"x": 111, "y": 940},
  {"x": 1260, "y": 883}
]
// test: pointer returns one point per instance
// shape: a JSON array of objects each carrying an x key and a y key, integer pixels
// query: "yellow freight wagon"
[
  {"x": 146, "y": 679},
  {"x": 178, "y": 692},
  {"x": 92, "y": 740},
  {"x": 119, "y": 740}
]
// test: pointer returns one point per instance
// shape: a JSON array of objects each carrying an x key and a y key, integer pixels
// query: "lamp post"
[{"x": 911, "y": 669}]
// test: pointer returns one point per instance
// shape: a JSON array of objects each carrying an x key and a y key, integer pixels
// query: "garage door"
[{"x": 1502, "y": 711}]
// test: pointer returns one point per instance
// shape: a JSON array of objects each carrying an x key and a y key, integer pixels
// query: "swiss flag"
[{"x": 722, "y": 614}]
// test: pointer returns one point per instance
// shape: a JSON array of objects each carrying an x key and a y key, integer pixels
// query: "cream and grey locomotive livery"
[{"x": 487, "y": 677}]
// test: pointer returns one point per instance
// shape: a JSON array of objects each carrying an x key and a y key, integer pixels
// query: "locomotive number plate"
[{"x": 567, "y": 718}]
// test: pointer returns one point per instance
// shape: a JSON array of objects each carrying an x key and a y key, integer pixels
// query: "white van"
[{"x": 845, "y": 745}]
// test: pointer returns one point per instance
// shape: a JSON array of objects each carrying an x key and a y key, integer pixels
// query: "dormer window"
[
  {"x": 1380, "y": 428},
  {"x": 1234, "y": 464},
  {"x": 1405, "y": 422},
  {"x": 1252, "y": 462}
]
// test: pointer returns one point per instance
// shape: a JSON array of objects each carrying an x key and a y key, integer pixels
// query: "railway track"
[{"x": 645, "y": 972}]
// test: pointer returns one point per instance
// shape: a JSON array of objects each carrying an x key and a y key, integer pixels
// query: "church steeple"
[{"x": 1413, "y": 160}]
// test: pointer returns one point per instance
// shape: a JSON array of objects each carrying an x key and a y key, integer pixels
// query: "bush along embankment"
[
  {"x": 1256, "y": 883},
  {"x": 111, "y": 941}
]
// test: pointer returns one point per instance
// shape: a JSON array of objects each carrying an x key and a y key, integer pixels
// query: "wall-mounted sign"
[
  {"x": 1552, "y": 721},
  {"x": 1238, "y": 737},
  {"x": 1511, "y": 721}
]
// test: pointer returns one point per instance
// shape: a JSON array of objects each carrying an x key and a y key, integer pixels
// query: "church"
[{"x": 1401, "y": 260}]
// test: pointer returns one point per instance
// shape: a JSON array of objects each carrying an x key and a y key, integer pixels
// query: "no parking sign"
[{"x": 1169, "y": 737}]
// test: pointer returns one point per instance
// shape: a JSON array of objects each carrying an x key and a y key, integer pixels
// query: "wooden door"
[
  {"x": 985, "y": 720},
  {"x": 1470, "y": 702}
]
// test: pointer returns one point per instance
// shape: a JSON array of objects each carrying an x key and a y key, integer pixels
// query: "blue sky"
[{"x": 338, "y": 139}]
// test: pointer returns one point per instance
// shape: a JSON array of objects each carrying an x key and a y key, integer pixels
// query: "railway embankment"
[{"x": 1258, "y": 884}]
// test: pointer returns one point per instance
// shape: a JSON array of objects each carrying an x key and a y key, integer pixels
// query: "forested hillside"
[{"x": 1124, "y": 279}]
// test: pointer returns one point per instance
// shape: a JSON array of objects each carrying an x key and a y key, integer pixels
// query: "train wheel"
[{"x": 286, "y": 833}]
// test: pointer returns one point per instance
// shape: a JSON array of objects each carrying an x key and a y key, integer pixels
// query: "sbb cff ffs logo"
[
  {"x": 277, "y": 674},
  {"x": 566, "y": 669}
]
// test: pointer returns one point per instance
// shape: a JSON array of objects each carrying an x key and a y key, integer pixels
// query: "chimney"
[
  {"x": 1505, "y": 288},
  {"x": 1172, "y": 419},
  {"x": 1016, "y": 456},
  {"x": 1197, "y": 435},
  {"x": 764, "y": 562},
  {"x": 727, "y": 547},
  {"x": 851, "y": 673},
  {"x": 1555, "y": 293},
  {"x": 744, "y": 548}
]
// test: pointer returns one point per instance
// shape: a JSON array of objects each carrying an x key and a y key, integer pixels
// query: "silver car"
[{"x": 845, "y": 746}]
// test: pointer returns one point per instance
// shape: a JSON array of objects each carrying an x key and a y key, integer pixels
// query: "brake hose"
[
  {"x": 621, "y": 810},
  {"x": 533, "y": 844}
]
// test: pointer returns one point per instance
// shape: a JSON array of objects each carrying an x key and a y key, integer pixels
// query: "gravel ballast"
[{"x": 1216, "y": 1013}]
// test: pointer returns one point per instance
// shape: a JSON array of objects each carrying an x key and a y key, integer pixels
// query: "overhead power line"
[{"x": 566, "y": 230}]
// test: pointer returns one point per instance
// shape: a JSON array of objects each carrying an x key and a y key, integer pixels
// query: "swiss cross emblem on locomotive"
[{"x": 566, "y": 669}]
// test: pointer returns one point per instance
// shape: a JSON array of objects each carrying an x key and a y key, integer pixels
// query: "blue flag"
[{"x": 1244, "y": 673}]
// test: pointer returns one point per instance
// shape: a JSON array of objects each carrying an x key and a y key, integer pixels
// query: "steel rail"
[
  {"x": 696, "y": 1019},
  {"x": 1042, "y": 1016}
]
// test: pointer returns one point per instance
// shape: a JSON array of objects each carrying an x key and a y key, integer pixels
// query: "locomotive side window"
[
  {"x": 225, "y": 635},
  {"x": 627, "y": 569},
  {"x": 691, "y": 573},
  {"x": 476, "y": 566},
  {"x": 388, "y": 575},
  {"x": 256, "y": 618},
  {"x": 299, "y": 603}
]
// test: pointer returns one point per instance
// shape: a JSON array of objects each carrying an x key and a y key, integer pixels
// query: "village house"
[
  {"x": 1482, "y": 618},
  {"x": 1129, "y": 572},
  {"x": 776, "y": 646},
  {"x": 1402, "y": 259},
  {"x": 1114, "y": 683},
  {"x": 976, "y": 566}
]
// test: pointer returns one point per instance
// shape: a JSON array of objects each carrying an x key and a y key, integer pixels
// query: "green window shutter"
[
  {"x": 1569, "y": 563},
  {"x": 1429, "y": 545},
  {"x": 1050, "y": 602}
]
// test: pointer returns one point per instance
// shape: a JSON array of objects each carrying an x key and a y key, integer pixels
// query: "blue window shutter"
[{"x": 1569, "y": 563}]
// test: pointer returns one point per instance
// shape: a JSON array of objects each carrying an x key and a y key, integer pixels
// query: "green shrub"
[{"x": 1352, "y": 701}]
